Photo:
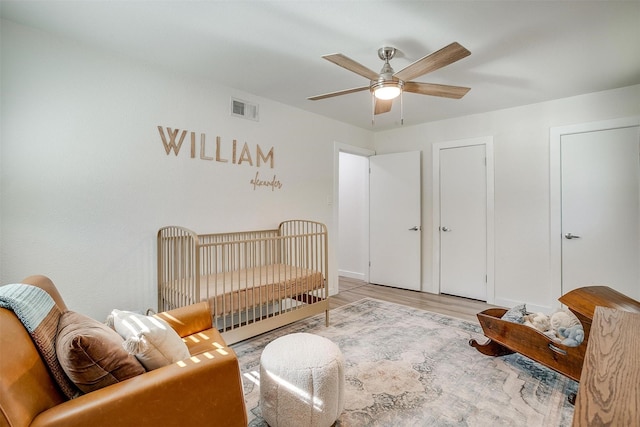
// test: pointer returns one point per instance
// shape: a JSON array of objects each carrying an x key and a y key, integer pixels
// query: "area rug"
[{"x": 410, "y": 367}]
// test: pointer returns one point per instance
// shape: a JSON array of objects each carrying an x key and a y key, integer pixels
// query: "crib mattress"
[{"x": 240, "y": 290}]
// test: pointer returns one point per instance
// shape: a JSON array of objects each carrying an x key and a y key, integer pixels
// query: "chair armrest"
[
  {"x": 190, "y": 319},
  {"x": 203, "y": 390}
]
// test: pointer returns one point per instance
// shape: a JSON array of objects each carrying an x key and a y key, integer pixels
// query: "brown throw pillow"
[{"x": 91, "y": 353}]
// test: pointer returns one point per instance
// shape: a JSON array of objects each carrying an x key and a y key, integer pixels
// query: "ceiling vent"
[{"x": 243, "y": 109}]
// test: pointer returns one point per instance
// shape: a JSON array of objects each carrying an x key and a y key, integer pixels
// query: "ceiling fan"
[{"x": 388, "y": 84}]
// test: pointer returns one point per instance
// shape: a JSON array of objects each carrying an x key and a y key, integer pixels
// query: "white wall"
[
  {"x": 353, "y": 216},
  {"x": 521, "y": 147},
  {"x": 86, "y": 182}
]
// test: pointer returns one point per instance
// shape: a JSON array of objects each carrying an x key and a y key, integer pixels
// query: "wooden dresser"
[{"x": 609, "y": 392}]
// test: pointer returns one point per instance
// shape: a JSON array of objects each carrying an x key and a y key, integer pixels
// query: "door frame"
[
  {"x": 339, "y": 147},
  {"x": 555, "y": 189},
  {"x": 487, "y": 141}
]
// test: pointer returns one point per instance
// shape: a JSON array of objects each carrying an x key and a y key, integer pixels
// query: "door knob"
[
  {"x": 445, "y": 229},
  {"x": 571, "y": 236},
  {"x": 416, "y": 228}
]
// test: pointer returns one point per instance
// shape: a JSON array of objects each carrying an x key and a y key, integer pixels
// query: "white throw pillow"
[{"x": 151, "y": 340}]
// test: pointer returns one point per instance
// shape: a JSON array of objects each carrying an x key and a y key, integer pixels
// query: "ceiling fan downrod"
[{"x": 386, "y": 73}]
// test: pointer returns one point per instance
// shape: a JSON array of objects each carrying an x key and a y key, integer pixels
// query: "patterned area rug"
[{"x": 409, "y": 367}]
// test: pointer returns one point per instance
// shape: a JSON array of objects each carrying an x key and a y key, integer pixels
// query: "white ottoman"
[{"x": 301, "y": 381}]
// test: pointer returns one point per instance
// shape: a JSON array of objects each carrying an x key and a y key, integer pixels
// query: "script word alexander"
[{"x": 274, "y": 183}]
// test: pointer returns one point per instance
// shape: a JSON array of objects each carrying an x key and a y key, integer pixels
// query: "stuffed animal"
[
  {"x": 563, "y": 319},
  {"x": 573, "y": 335},
  {"x": 539, "y": 321}
]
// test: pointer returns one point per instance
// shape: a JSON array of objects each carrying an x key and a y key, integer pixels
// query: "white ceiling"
[{"x": 522, "y": 52}]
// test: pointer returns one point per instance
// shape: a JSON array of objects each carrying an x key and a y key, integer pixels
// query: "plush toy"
[
  {"x": 539, "y": 321},
  {"x": 551, "y": 334},
  {"x": 573, "y": 335},
  {"x": 563, "y": 319}
]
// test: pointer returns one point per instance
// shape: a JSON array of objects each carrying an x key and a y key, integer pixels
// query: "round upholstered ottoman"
[{"x": 301, "y": 381}]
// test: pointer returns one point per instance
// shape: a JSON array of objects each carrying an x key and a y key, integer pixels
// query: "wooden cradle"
[
  {"x": 508, "y": 337},
  {"x": 254, "y": 281}
]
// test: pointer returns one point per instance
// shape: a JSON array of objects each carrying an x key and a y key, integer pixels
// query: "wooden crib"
[
  {"x": 254, "y": 281},
  {"x": 508, "y": 337}
]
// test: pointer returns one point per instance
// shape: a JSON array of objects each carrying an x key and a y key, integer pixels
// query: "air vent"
[{"x": 246, "y": 110}]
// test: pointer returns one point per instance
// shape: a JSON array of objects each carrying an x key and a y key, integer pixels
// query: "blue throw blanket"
[{"x": 39, "y": 314}]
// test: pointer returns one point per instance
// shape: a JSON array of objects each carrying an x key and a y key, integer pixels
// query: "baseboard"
[
  {"x": 351, "y": 274},
  {"x": 531, "y": 308}
]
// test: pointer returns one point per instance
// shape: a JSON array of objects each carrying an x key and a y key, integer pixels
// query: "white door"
[
  {"x": 394, "y": 218},
  {"x": 463, "y": 222},
  {"x": 600, "y": 192}
]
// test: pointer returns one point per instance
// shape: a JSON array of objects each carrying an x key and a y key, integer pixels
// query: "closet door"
[
  {"x": 463, "y": 222},
  {"x": 600, "y": 192}
]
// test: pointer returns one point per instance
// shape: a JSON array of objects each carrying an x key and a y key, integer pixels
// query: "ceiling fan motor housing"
[{"x": 387, "y": 72}]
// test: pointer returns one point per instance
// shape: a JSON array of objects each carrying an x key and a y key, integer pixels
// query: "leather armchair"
[{"x": 205, "y": 389}]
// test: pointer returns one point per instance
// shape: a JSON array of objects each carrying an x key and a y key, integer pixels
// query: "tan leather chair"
[{"x": 197, "y": 391}]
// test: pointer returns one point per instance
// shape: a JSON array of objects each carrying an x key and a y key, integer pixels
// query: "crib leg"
[{"x": 326, "y": 321}]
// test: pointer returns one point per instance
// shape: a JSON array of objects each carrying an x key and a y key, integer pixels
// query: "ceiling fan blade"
[
  {"x": 382, "y": 106},
  {"x": 338, "y": 93},
  {"x": 441, "y": 58},
  {"x": 351, "y": 65},
  {"x": 446, "y": 91}
]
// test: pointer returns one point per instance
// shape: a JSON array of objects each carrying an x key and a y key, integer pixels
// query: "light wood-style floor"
[{"x": 351, "y": 290}]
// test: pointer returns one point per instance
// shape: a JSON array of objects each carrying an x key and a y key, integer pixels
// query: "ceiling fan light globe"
[{"x": 387, "y": 92}]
